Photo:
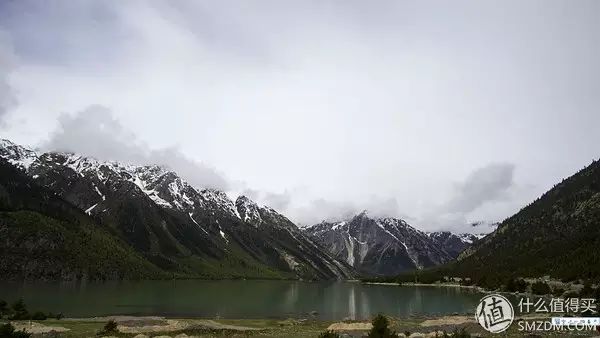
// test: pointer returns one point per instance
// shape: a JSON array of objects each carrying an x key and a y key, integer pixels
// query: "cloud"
[
  {"x": 318, "y": 210},
  {"x": 347, "y": 99},
  {"x": 7, "y": 65},
  {"x": 484, "y": 194},
  {"x": 95, "y": 132},
  {"x": 485, "y": 184}
]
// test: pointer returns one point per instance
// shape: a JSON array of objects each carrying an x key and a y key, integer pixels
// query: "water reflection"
[{"x": 240, "y": 299}]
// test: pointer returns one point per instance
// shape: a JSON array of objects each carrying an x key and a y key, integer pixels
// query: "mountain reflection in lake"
[{"x": 241, "y": 299}]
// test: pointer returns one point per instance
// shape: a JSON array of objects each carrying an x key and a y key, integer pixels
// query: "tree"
[
  {"x": 380, "y": 328},
  {"x": 3, "y": 307},
  {"x": 19, "y": 310}
]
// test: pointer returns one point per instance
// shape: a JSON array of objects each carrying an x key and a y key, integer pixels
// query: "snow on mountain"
[
  {"x": 379, "y": 246},
  {"x": 164, "y": 187},
  {"x": 452, "y": 243},
  {"x": 164, "y": 217},
  {"x": 16, "y": 155},
  {"x": 248, "y": 210}
]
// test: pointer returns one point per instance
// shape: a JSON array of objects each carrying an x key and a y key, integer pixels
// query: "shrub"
[
  {"x": 58, "y": 316},
  {"x": 39, "y": 315},
  {"x": 380, "y": 328},
  {"x": 329, "y": 334},
  {"x": 3, "y": 307},
  {"x": 540, "y": 288},
  {"x": 110, "y": 326},
  {"x": 586, "y": 291},
  {"x": 8, "y": 331},
  {"x": 515, "y": 285},
  {"x": 462, "y": 333}
]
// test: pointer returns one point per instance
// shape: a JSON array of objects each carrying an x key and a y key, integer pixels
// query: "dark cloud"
[
  {"x": 485, "y": 184},
  {"x": 95, "y": 132},
  {"x": 484, "y": 192}
]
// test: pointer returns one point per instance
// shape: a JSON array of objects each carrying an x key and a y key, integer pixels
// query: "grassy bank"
[{"x": 289, "y": 328}]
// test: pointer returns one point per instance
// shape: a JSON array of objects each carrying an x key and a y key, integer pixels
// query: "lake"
[{"x": 240, "y": 299}]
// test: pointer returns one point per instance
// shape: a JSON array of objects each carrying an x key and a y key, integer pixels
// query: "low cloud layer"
[
  {"x": 317, "y": 210},
  {"x": 7, "y": 65},
  {"x": 95, "y": 132},
  {"x": 485, "y": 184},
  {"x": 484, "y": 191}
]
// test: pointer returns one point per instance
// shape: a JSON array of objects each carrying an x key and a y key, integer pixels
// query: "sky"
[{"x": 442, "y": 113}]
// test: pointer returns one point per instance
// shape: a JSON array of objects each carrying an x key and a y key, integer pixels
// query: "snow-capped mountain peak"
[
  {"x": 248, "y": 210},
  {"x": 378, "y": 245},
  {"x": 17, "y": 155}
]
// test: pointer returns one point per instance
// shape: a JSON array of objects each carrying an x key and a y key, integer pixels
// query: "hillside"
[
  {"x": 558, "y": 235},
  {"x": 44, "y": 237}
]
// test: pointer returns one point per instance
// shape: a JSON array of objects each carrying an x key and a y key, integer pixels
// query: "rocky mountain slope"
[
  {"x": 379, "y": 246},
  {"x": 43, "y": 237},
  {"x": 177, "y": 227},
  {"x": 453, "y": 244}
]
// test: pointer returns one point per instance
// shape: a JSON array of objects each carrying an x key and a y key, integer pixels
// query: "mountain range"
[
  {"x": 177, "y": 228},
  {"x": 163, "y": 226},
  {"x": 383, "y": 246}
]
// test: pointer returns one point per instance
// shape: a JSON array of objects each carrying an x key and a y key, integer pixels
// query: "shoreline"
[
  {"x": 449, "y": 285},
  {"x": 157, "y": 326}
]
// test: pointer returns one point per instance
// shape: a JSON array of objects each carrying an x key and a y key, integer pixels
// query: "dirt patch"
[
  {"x": 350, "y": 326},
  {"x": 37, "y": 328},
  {"x": 168, "y": 325},
  {"x": 172, "y": 325},
  {"x": 448, "y": 320}
]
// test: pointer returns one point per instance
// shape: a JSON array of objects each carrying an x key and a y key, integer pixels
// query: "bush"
[
  {"x": 58, "y": 316},
  {"x": 462, "y": 333},
  {"x": 110, "y": 327},
  {"x": 571, "y": 294},
  {"x": 540, "y": 288},
  {"x": 587, "y": 291},
  {"x": 8, "y": 331},
  {"x": 3, "y": 308},
  {"x": 380, "y": 328},
  {"x": 39, "y": 315},
  {"x": 329, "y": 334},
  {"x": 515, "y": 285}
]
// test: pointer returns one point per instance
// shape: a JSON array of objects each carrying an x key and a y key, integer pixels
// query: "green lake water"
[{"x": 240, "y": 299}]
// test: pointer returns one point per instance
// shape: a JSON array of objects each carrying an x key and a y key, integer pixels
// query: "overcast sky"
[{"x": 440, "y": 112}]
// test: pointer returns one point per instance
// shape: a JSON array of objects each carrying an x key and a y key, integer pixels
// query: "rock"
[
  {"x": 314, "y": 313},
  {"x": 141, "y": 336},
  {"x": 182, "y": 335}
]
